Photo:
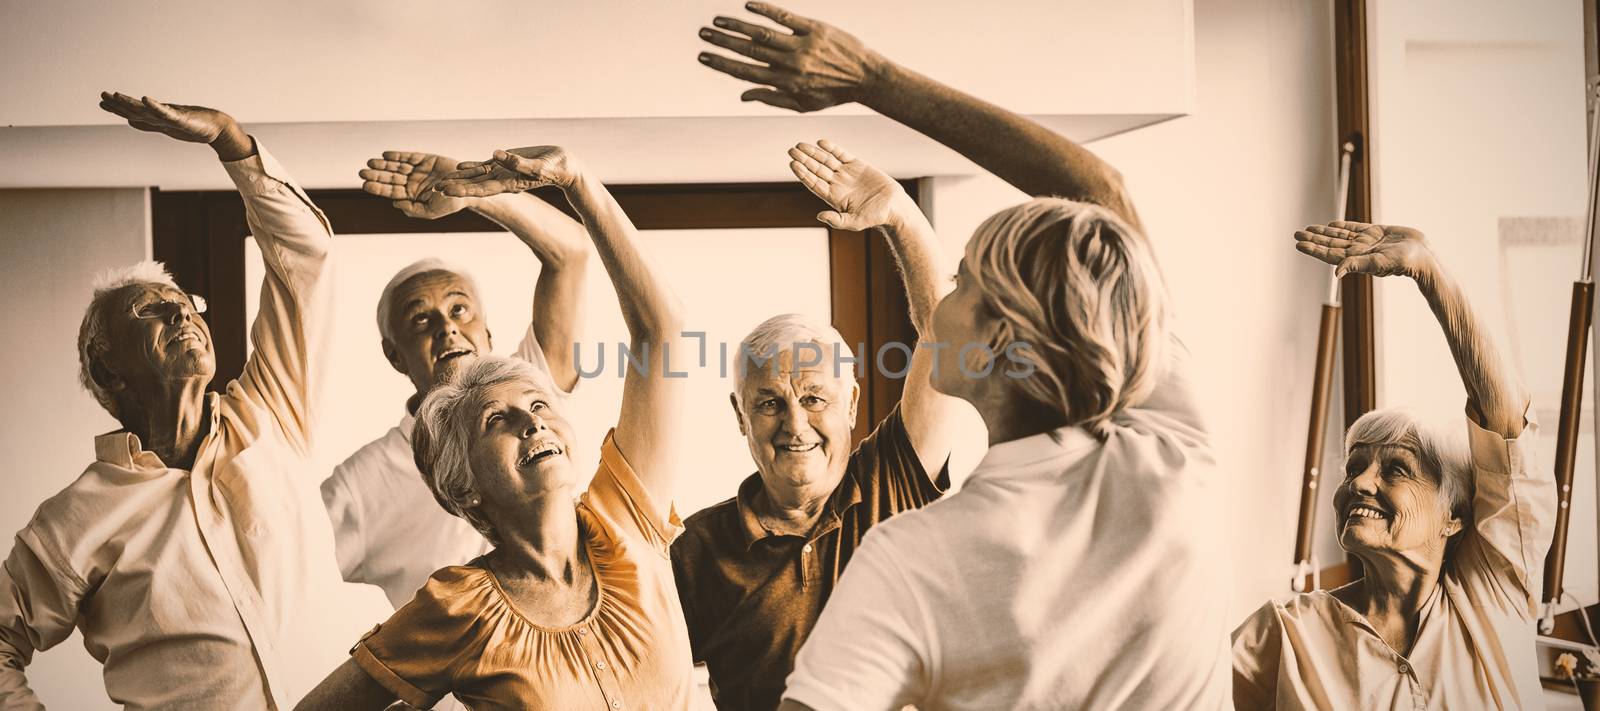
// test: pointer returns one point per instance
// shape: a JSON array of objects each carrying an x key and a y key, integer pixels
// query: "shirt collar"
[
  {"x": 1015, "y": 454},
  {"x": 845, "y": 495},
  {"x": 123, "y": 448},
  {"x": 407, "y": 424}
]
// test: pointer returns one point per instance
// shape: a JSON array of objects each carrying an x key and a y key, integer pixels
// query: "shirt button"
[
  {"x": 1405, "y": 668},
  {"x": 616, "y": 704},
  {"x": 599, "y": 665},
  {"x": 806, "y": 548},
  {"x": 583, "y": 631}
]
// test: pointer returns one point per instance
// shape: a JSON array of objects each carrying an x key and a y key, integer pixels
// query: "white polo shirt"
[
  {"x": 388, "y": 529},
  {"x": 1066, "y": 573}
]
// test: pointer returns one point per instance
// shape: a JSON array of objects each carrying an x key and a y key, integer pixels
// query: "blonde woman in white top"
[{"x": 1076, "y": 567}]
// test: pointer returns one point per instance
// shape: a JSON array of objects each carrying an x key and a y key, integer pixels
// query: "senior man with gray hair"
[
  {"x": 754, "y": 572},
  {"x": 190, "y": 553},
  {"x": 388, "y": 529}
]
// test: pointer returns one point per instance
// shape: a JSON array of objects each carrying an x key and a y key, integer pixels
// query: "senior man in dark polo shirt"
[{"x": 754, "y": 571}]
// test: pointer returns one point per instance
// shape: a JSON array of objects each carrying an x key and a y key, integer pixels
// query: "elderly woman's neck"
[
  {"x": 1392, "y": 591},
  {"x": 543, "y": 543},
  {"x": 169, "y": 419}
]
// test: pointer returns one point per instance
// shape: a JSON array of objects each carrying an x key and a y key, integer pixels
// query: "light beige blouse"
[
  {"x": 1475, "y": 640},
  {"x": 461, "y": 634}
]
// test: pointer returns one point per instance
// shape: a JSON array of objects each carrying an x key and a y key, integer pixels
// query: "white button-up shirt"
[
  {"x": 1067, "y": 573},
  {"x": 200, "y": 589},
  {"x": 1475, "y": 633},
  {"x": 390, "y": 530}
]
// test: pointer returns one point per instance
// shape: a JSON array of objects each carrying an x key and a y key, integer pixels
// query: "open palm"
[
  {"x": 862, "y": 197},
  {"x": 409, "y": 179},
  {"x": 512, "y": 171},
  {"x": 1378, "y": 250},
  {"x": 195, "y": 124}
]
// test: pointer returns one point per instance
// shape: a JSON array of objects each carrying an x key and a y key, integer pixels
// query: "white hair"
[
  {"x": 446, "y": 424},
  {"x": 1077, "y": 290},
  {"x": 1441, "y": 450},
  {"x": 782, "y": 333},
  {"x": 92, "y": 343},
  {"x": 421, "y": 266}
]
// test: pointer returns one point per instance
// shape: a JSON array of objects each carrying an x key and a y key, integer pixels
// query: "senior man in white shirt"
[
  {"x": 388, "y": 529},
  {"x": 190, "y": 554}
]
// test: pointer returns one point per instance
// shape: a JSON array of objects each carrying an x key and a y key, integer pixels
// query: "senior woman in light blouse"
[
  {"x": 1451, "y": 534},
  {"x": 575, "y": 607}
]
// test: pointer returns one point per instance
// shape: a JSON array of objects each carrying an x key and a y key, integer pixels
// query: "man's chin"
[{"x": 446, "y": 369}]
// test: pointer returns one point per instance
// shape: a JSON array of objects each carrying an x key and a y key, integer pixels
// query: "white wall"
[
  {"x": 1220, "y": 192},
  {"x": 51, "y": 244},
  {"x": 1479, "y": 123}
]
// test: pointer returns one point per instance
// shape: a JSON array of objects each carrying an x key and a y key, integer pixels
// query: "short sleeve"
[
  {"x": 416, "y": 652},
  {"x": 885, "y": 462},
  {"x": 1257, "y": 646},
  {"x": 868, "y": 648},
  {"x": 1172, "y": 399},
  {"x": 617, "y": 495},
  {"x": 344, "y": 512}
]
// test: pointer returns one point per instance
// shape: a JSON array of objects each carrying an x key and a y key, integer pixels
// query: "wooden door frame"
[{"x": 200, "y": 235}]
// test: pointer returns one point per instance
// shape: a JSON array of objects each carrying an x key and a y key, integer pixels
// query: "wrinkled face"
[
  {"x": 1388, "y": 503},
  {"x": 174, "y": 344},
  {"x": 520, "y": 451},
  {"x": 961, "y": 322},
  {"x": 797, "y": 421},
  {"x": 435, "y": 327}
]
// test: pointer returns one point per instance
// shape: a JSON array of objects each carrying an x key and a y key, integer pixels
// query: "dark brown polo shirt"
[{"x": 751, "y": 596}]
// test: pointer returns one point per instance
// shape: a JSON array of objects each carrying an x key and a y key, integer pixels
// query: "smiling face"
[
  {"x": 1388, "y": 503},
  {"x": 435, "y": 326},
  {"x": 797, "y": 421},
  {"x": 519, "y": 450},
  {"x": 173, "y": 345}
]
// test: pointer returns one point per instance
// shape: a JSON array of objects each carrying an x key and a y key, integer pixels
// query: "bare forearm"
[
  {"x": 922, "y": 265},
  {"x": 649, "y": 308},
  {"x": 1492, "y": 390},
  {"x": 1021, "y": 152},
  {"x": 561, "y": 246},
  {"x": 233, "y": 143}
]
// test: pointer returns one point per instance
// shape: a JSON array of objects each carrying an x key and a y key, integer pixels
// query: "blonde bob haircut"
[{"x": 1079, "y": 296}]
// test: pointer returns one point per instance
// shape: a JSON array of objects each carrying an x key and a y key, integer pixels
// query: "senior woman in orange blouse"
[{"x": 575, "y": 607}]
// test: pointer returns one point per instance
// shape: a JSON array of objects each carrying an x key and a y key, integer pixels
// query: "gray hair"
[
  {"x": 421, "y": 266},
  {"x": 92, "y": 341},
  {"x": 783, "y": 332},
  {"x": 1440, "y": 450},
  {"x": 446, "y": 424},
  {"x": 1078, "y": 291}
]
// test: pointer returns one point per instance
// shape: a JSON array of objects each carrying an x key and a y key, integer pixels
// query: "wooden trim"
[
  {"x": 200, "y": 236},
  {"x": 1351, "y": 91}
]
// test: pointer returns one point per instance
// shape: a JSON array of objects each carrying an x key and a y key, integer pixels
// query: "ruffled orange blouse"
[{"x": 462, "y": 635}]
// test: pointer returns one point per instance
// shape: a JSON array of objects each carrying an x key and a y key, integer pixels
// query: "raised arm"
[
  {"x": 809, "y": 65},
  {"x": 1494, "y": 396},
  {"x": 291, "y": 329},
  {"x": 864, "y": 198},
  {"x": 558, "y": 241},
  {"x": 650, "y": 425}
]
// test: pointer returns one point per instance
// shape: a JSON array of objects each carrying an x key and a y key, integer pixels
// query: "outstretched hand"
[
  {"x": 410, "y": 181},
  {"x": 194, "y": 124},
  {"x": 862, "y": 197},
  {"x": 1378, "y": 250},
  {"x": 809, "y": 66},
  {"x": 512, "y": 171}
]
